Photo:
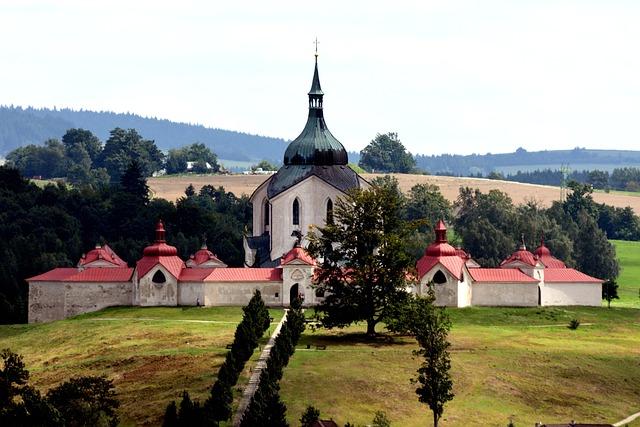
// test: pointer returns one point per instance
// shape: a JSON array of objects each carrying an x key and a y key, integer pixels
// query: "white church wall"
[
  {"x": 464, "y": 291},
  {"x": 157, "y": 294},
  {"x": 589, "y": 294},
  {"x": 239, "y": 293},
  {"x": 504, "y": 294},
  {"x": 312, "y": 194},
  {"x": 258, "y": 198}
]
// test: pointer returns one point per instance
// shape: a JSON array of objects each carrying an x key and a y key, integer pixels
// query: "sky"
[{"x": 448, "y": 76}]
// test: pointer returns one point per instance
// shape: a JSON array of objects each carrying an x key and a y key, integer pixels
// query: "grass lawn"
[
  {"x": 629, "y": 280},
  {"x": 521, "y": 362},
  {"x": 152, "y": 354}
]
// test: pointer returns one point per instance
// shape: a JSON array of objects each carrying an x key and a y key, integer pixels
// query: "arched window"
[
  {"x": 159, "y": 277},
  {"x": 296, "y": 212},
  {"x": 439, "y": 278},
  {"x": 266, "y": 214},
  {"x": 329, "y": 211}
]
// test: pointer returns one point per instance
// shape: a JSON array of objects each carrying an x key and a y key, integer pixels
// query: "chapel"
[{"x": 301, "y": 194}]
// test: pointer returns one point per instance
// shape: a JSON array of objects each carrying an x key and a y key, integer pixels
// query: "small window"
[
  {"x": 266, "y": 213},
  {"x": 159, "y": 277},
  {"x": 329, "y": 211},
  {"x": 439, "y": 278},
  {"x": 320, "y": 293},
  {"x": 277, "y": 294},
  {"x": 296, "y": 212}
]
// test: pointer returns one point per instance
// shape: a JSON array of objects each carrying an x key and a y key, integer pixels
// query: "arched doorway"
[
  {"x": 293, "y": 293},
  {"x": 539, "y": 296}
]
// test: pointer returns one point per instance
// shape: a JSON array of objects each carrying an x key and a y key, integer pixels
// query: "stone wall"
[
  {"x": 154, "y": 294},
  {"x": 446, "y": 293},
  {"x": 50, "y": 301}
]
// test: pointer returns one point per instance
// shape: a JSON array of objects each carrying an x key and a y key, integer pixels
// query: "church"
[{"x": 302, "y": 193}]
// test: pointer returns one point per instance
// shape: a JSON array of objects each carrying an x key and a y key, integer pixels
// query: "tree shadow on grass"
[{"x": 323, "y": 337}]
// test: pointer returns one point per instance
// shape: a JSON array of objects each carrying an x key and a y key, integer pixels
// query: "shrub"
[{"x": 574, "y": 324}]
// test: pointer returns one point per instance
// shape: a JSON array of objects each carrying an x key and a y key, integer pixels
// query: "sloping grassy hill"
[
  {"x": 629, "y": 279},
  {"x": 152, "y": 354}
]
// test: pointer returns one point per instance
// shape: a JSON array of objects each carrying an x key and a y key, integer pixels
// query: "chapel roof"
[
  {"x": 159, "y": 252},
  {"x": 101, "y": 253},
  {"x": 204, "y": 256},
  {"x": 500, "y": 275},
  {"x": 297, "y": 253},
  {"x": 544, "y": 255},
  {"x": 71, "y": 274},
  {"x": 521, "y": 255},
  {"x": 314, "y": 152},
  {"x": 441, "y": 252}
]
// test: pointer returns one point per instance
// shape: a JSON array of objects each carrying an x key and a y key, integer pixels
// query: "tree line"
[
  {"x": 624, "y": 179},
  {"x": 82, "y": 159}
]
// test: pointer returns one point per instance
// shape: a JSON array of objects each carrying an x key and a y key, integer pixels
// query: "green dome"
[{"x": 315, "y": 145}]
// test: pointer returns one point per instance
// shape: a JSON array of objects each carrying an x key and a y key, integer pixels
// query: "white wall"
[
  {"x": 571, "y": 294},
  {"x": 239, "y": 293},
  {"x": 504, "y": 294},
  {"x": 446, "y": 293},
  {"x": 312, "y": 194},
  {"x": 302, "y": 274}
]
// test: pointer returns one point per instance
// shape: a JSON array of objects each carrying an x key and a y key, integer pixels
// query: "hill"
[
  {"x": 173, "y": 187},
  {"x": 22, "y": 126},
  {"x": 504, "y": 361},
  {"x": 522, "y": 160}
]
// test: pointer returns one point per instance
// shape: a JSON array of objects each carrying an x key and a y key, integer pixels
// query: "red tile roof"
[
  {"x": 522, "y": 255},
  {"x": 453, "y": 264},
  {"x": 297, "y": 253},
  {"x": 204, "y": 255},
  {"x": 500, "y": 275},
  {"x": 86, "y": 275},
  {"x": 103, "y": 253},
  {"x": 231, "y": 275},
  {"x": 245, "y": 275},
  {"x": 549, "y": 261},
  {"x": 173, "y": 264},
  {"x": 567, "y": 275},
  {"x": 195, "y": 274}
]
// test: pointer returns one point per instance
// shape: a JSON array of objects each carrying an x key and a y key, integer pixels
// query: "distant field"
[
  {"x": 629, "y": 279},
  {"x": 152, "y": 354},
  {"x": 172, "y": 188}
]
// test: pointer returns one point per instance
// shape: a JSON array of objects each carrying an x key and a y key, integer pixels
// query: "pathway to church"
[{"x": 254, "y": 380}]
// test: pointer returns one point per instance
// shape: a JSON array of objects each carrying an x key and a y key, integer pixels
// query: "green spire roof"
[{"x": 315, "y": 145}]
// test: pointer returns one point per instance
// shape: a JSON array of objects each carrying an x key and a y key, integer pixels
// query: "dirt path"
[
  {"x": 627, "y": 420},
  {"x": 252, "y": 386},
  {"x": 172, "y": 188}
]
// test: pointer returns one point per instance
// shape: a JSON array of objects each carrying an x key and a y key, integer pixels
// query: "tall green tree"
[
  {"x": 122, "y": 147},
  {"x": 364, "y": 258},
  {"x": 431, "y": 329},
  {"x": 594, "y": 254},
  {"x": 81, "y": 139},
  {"x": 205, "y": 160},
  {"x": 385, "y": 153}
]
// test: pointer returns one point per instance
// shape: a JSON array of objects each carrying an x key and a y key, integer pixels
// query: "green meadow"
[{"x": 629, "y": 280}]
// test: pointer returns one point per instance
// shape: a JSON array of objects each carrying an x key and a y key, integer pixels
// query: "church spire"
[{"x": 315, "y": 94}]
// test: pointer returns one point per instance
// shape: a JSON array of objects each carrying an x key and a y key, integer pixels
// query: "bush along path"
[
  {"x": 252, "y": 386},
  {"x": 217, "y": 407},
  {"x": 266, "y": 408}
]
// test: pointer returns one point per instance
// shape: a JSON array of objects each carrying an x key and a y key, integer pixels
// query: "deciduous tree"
[
  {"x": 385, "y": 153},
  {"x": 364, "y": 259}
]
